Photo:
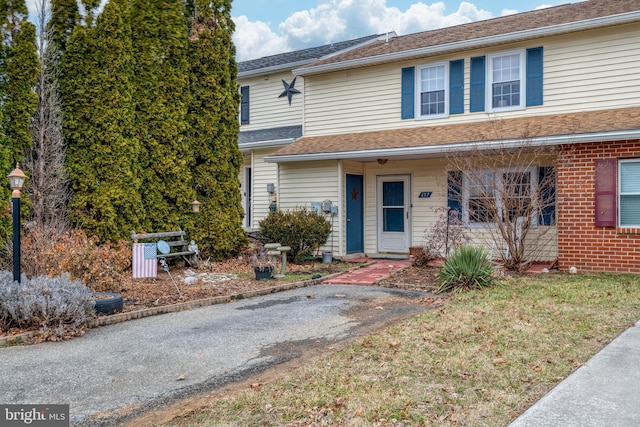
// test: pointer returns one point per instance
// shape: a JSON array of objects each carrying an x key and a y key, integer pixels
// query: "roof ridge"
[{"x": 527, "y": 24}]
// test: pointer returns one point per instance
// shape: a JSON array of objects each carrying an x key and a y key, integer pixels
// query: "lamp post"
[{"x": 16, "y": 181}]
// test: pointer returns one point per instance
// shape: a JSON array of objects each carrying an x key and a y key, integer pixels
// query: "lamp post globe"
[{"x": 16, "y": 181}]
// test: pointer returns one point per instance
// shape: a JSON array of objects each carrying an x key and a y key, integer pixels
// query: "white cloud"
[
  {"x": 506, "y": 12},
  {"x": 255, "y": 40},
  {"x": 338, "y": 20}
]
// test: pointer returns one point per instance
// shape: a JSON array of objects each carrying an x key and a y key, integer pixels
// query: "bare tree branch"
[
  {"x": 508, "y": 198},
  {"x": 47, "y": 187}
]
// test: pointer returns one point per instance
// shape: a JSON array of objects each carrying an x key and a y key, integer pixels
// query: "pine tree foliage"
[
  {"x": 159, "y": 34},
  {"x": 150, "y": 108},
  {"x": 102, "y": 153},
  {"x": 18, "y": 77},
  {"x": 64, "y": 17},
  {"x": 213, "y": 121}
]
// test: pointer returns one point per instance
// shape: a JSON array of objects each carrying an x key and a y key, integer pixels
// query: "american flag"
[{"x": 145, "y": 260}]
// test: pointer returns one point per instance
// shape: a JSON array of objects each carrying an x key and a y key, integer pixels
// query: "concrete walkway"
[{"x": 604, "y": 392}]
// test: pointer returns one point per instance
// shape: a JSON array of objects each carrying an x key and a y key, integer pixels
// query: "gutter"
[
  {"x": 275, "y": 68},
  {"x": 590, "y": 24},
  {"x": 265, "y": 144},
  {"x": 440, "y": 150}
]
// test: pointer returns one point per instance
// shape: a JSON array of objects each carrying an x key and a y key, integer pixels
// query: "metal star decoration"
[{"x": 289, "y": 90}]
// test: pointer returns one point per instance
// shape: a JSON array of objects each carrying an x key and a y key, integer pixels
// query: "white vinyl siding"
[
  {"x": 629, "y": 193},
  {"x": 263, "y": 174},
  {"x": 589, "y": 71},
  {"x": 267, "y": 110},
  {"x": 303, "y": 183}
]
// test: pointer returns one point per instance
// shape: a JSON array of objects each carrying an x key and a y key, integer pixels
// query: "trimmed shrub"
[
  {"x": 301, "y": 229},
  {"x": 57, "y": 306},
  {"x": 467, "y": 267}
]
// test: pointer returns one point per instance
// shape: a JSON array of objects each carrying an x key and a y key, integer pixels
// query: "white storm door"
[{"x": 393, "y": 195}]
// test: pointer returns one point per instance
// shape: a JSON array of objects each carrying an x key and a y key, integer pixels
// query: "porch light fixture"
[
  {"x": 16, "y": 181},
  {"x": 382, "y": 161}
]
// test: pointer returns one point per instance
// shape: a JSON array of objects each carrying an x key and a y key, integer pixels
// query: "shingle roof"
[
  {"x": 299, "y": 57},
  {"x": 489, "y": 130},
  {"x": 510, "y": 24},
  {"x": 273, "y": 134}
]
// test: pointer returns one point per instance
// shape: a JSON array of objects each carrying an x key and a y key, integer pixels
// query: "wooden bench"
[{"x": 177, "y": 241}]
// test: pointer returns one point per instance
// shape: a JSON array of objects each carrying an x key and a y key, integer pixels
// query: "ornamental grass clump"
[
  {"x": 468, "y": 267},
  {"x": 55, "y": 306}
]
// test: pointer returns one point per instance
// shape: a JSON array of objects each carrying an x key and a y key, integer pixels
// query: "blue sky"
[{"x": 268, "y": 27}]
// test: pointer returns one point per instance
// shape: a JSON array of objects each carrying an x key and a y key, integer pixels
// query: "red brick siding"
[{"x": 580, "y": 243}]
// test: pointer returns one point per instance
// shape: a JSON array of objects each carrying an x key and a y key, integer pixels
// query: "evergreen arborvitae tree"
[
  {"x": 213, "y": 122},
  {"x": 96, "y": 75},
  {"x": 159, "y": 37},
  {"x": 64, "y": 18},
  {"x": 18, "y": 77}
]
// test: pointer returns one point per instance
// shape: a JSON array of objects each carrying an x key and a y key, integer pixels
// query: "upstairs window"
[
  {"x": 244, "y": 105},
  {"x": 432, "y": 96},
  {"x": 506, "y": 88}
]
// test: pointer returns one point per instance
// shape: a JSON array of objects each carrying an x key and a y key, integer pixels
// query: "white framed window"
[
  {"x": 629, "y": 193},
  {"x": 433, "y": 91},
  {"x": 506, "y": 81},
  {"x": 492, "y": 195}
]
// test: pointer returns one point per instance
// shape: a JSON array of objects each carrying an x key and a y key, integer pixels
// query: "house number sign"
[{"x": 425, "y": 195}]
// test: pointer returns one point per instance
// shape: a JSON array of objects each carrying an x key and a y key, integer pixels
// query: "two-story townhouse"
[
  {"x": 271, "y": 117},
  {"x": 383, "y": 122}
]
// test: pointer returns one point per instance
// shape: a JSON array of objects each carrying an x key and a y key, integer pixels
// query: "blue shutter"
[
  {"x": 534, "y": 76},
  {"x": 547, "y": 185},
  {"x": 454, "y": 191},
  {"x": 456, "y": 86},
  {"x": 477, "y": 84},
  {"x": 408, "y": 83},
  {"x": 244, "y": 105}
]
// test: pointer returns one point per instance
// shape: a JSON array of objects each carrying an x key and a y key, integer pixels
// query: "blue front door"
[{"x": 355, "y": 213}]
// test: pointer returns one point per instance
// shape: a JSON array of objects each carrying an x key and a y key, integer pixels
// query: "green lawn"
[{"x": 480, "y": 359}]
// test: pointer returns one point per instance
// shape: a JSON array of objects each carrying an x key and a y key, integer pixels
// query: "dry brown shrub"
[{"x": 101, "y": 267}]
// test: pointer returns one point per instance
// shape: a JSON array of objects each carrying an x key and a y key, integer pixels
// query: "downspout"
[
  {"x": 342, "y": 209},
  {"x": 252, "y": 207}
]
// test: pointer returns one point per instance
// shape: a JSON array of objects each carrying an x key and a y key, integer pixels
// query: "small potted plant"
[{"x": 262, "y": 266}]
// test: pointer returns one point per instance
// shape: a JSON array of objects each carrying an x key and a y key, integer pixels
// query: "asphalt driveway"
[{"x": 143, "y": 364}]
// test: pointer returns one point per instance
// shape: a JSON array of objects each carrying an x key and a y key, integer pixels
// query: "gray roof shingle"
[
  {"x": 299, "y": 57},
  {"x": 273, "y": 134}
]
